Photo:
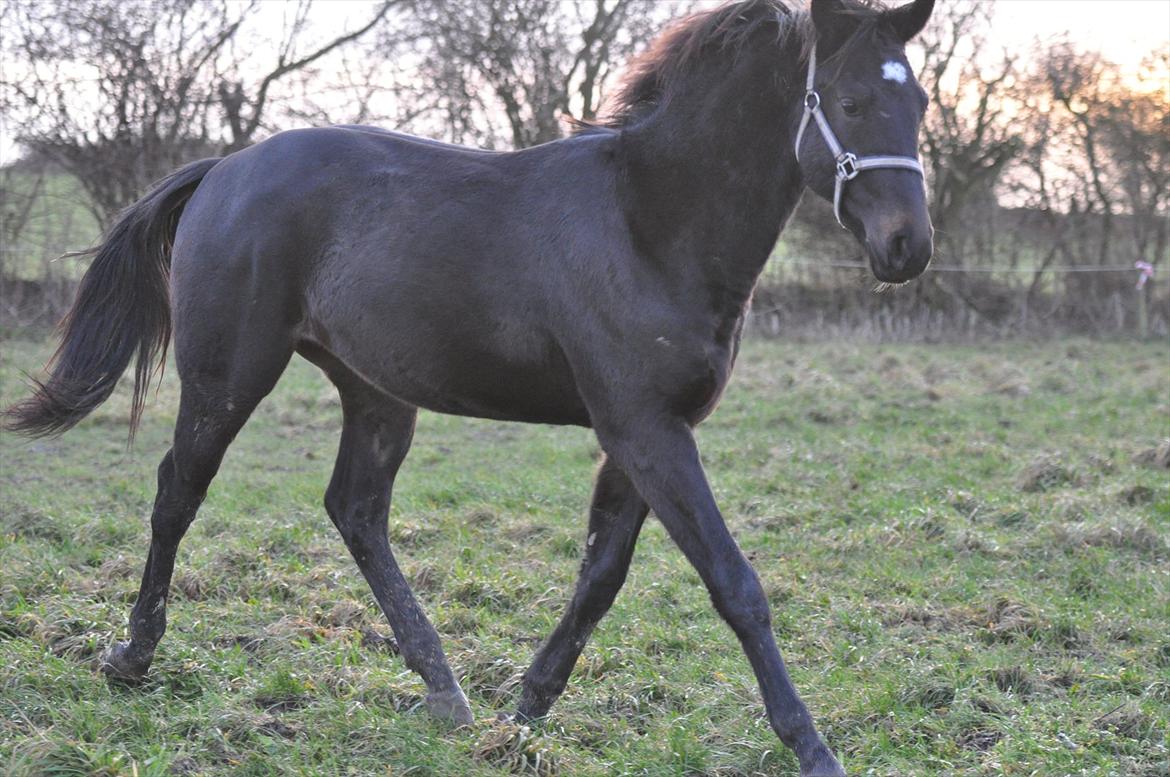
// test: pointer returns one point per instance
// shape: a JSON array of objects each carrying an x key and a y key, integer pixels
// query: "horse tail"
[{"x": 122, "y": 307}]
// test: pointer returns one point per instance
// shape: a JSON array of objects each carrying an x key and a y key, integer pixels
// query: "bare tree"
[
  {"x": 1110, "y": 158},
  {"x": 1139, "y": 145},
  {"x": 244, "y": 107},
  {"x": 1134, "y": 142},
  {"x": 120, "y": 93},
  {"x": 526, "y": 61},
  {"x": 968, "y": 135}
]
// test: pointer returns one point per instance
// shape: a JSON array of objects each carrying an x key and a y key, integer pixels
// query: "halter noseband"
[{"x": 849, "y": 166}]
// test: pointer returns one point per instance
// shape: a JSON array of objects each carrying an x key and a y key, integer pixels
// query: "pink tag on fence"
[{"x": 1147, "y": 272}]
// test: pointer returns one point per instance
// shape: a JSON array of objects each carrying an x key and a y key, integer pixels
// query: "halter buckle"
[
  {"x": 812, "y": 100},
  {"x": 847, "y": 167}
]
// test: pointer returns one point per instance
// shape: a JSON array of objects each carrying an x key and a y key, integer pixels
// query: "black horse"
[{"x": 601, "y": 280}]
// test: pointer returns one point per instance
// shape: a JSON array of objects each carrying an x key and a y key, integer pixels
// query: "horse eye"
[{"x": 850, "y": 106}]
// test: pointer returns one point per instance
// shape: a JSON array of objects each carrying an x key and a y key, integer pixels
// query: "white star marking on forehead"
[{"x": 894, "y": 71}]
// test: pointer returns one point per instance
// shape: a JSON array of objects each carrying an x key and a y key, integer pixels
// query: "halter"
[{"x": 849, "y": 166}]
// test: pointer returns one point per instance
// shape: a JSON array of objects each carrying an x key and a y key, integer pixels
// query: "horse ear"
[
  {"x": 908, "y": 20},
  {"x": 832, "y": 24}
]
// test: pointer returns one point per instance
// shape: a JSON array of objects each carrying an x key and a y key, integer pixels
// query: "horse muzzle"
[{"x": 901, "y": 253}]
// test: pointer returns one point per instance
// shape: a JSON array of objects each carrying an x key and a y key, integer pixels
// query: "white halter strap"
[{"x": 849, "y": 166}]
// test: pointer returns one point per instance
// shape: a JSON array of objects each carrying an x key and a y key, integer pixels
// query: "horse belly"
[
  {"x": 458, "y": 365},
  {"x": 533, "y": 393}
]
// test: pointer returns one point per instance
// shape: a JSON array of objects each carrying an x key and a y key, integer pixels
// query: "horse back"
[{"x": 438, "y": 273}]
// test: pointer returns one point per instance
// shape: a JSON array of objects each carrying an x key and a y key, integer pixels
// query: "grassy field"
[{"x": 966, "y": 550}]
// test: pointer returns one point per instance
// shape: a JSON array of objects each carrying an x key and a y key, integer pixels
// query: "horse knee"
[
  {"x": 598, "y": 588},
  {"x": 742, "y": 603},
  {"x": 361, "y": 523}
]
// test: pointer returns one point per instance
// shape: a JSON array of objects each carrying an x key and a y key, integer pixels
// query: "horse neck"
[{"x": 714, "y": 178}]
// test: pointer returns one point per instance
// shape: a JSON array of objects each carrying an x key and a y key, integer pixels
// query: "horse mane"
[{"x": 652, "y": 75}]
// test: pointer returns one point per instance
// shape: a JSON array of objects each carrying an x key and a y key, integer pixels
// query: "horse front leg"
[
  {"x": 662, "y": 461},
  {"x": 615, "y": 518}
]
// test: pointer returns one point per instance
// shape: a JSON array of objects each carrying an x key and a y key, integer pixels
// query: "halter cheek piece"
[{"x": 849, "y": 166}]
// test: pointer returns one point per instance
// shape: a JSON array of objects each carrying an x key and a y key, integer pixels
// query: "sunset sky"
[{"x": 1123, "y": 30}]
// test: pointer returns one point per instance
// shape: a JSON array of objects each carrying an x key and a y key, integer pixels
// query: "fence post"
[{"x": 1143, "y": 313}]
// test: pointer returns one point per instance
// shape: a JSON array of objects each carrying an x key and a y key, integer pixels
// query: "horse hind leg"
[
  {"x": 213, "y": 407},
  {"x": 376, "y": 435},
  {"x": 615, "y": 519}
]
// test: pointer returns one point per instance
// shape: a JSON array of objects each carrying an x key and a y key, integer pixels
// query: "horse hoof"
[
  {"x": 119, "y": 663},
  {"x": 450, "y": 705}
]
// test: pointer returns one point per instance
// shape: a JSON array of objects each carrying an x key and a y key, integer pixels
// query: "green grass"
[{"x": 969, "y": 570}]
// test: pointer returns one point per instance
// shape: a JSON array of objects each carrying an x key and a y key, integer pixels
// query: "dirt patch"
[
  {"x": 1157, "y": 457},
  {"x": 1123, "y": 632},
  {"x": 1066, "y": 678},
  {"x": 931, "y": 696},
  {"x": 295, "y": 627},
  {"x": 1101, "y": 464},
  {"x": 475, "y": 592},
  {"x": 965, "y": 504},
  {"x": 1006, "y": 621},
  {"x": 238, "y": 564},
  {"x": 821, "y": 417},
  {"x": 931, "y": 618},
  {"x": 116, "y": 568},
  {"x": 183, "y": 766},
  {"x": 1136, "y": 495},
  {"x": 989, "y": 706},
  {"x": 249, "y": 643},
  {"x": 1013, "y": 679},
  {"x": 527, "y": 532},
  {"x": 482, "y": 519},
  {"x": 1127, "y": 721},
  {"x": 30, "y": 523},
  {"x": 375, "y": 640},
  {"x": 980, "y": 739},
  {"x": 1044, "y": 474},
  {"x": 1012, "y": 386},
  {"x": 344, "y": 614},
  {"x": 274, "y": 726},
  {"x": 411, "y": 535},
  {"x": 775, "y": 522},
  {"x": 425, "y": 577},
  {"x": 190, "y": 585},
  {"x": 1136, "y": 535},
  {"x": 1009, "y": 518}
]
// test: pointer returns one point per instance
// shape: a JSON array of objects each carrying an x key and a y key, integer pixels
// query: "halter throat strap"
[{"x": 849, "y": 165}]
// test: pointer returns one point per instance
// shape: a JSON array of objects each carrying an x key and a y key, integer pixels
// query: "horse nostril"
[{"x": 900, "y": 248}]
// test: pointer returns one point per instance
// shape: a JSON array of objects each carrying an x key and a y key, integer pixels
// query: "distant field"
[
  {"x": 967, "y": 551},
  {"x": 58, "y": 221}
]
